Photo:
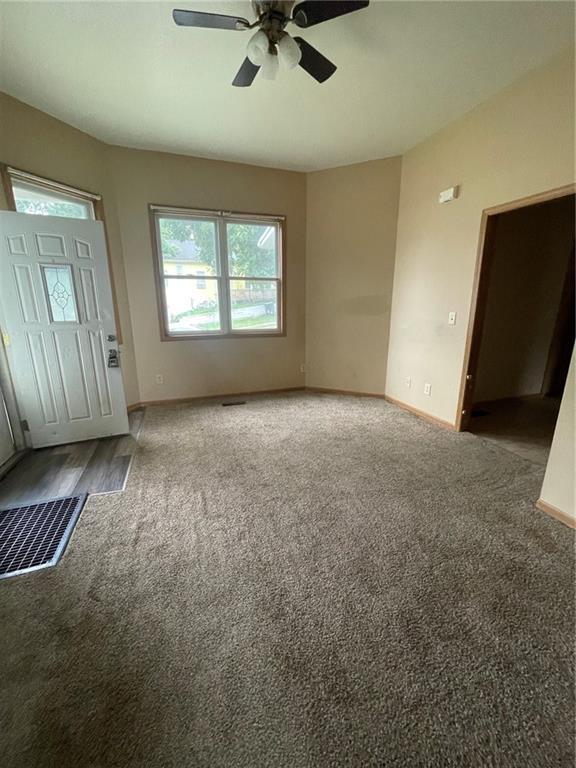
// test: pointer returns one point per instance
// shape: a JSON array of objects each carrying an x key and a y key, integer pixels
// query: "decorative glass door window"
[
  {"x": 59, "y": 286},
  {"x": 220, "y": 274}
]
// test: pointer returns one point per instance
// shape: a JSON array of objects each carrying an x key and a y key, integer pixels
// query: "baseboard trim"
[
  {"x": 351, "y": 392},
  {"x": 422, "y": 414},
  {"x": 556, "y": 513},
  {"x": 10, "y": 463},
  {"x": 317, "y": 390},
  {"x": 223, "y": 396}
]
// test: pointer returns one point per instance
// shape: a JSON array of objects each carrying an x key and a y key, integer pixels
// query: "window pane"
[
  {"x": 188, "y": 246},
  {"x": 254, "y": 304},
  {"x": 31, "y": 199},
  {"x": 60, "y": 292},
  {"x": 252, "y": 250},
  {"x": 192, "y": 308}
]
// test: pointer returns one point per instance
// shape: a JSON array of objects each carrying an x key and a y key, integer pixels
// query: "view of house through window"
[{"x": 219, "y": 274}]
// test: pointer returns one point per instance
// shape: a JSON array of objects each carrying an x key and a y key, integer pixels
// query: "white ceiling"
[{"x": 126, "y": 74}]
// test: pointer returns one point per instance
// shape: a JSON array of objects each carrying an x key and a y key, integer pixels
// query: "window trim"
[
  {"x": 9, "y": 174},
  {"x": 155, "y": 210}
]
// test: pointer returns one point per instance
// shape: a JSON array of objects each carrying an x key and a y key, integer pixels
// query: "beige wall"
[
  {"x": 207, "y": 366},
  {"x": 519, "y": 143},
  {"x": 129, "y": 180},
  {"x": 35, "y": 142},
  {"x": 351, "y": 238},
  {"x": 532, "y": 248},
  {"x": 558, "y": 488}
]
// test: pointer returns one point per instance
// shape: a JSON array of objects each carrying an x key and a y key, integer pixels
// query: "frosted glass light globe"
[
  {"x": 257, "y": 48},
  {"x": 289, "y": 51},
  {"x": 269, "y": 67}
]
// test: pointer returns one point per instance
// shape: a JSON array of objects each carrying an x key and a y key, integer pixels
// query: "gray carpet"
[{"x": 305, "y": 580}]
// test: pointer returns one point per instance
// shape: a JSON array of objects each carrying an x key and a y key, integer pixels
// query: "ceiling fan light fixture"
[
  {"x": 257, "y": 48},
  {"x": 269, "y": 67},
  {"x": 289, "y": 51},
  {"x": 271, "y": 43}
]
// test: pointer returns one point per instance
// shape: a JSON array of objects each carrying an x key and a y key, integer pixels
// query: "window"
[
  {"x": 59, "y": 288},
  {"x": 220, "y": 274},
  {"x": 33, "y": 194}
]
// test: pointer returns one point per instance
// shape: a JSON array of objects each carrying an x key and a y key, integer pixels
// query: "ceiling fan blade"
[
  {"x": 314, "y": 62},
  {"x": 208, "y": 20},
  {"x": 312, "y": 12},
  {"x": 246, "y": 74}
]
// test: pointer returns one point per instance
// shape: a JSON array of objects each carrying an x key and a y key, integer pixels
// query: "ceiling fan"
[{"x": 271, "y": 42}]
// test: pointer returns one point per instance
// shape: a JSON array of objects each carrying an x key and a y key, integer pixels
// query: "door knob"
[{"x": 113, "y": 359}]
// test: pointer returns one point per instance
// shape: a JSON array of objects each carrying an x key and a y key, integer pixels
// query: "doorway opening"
[{"x": 522, "y": 333}]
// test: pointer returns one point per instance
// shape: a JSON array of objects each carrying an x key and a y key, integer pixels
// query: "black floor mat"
[{"x": 35, "y": 536}]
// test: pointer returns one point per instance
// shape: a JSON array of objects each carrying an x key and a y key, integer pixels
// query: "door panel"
[
  {"x": 88, "y": 283},
  {"x": 72, "y": 374},
  {"x": 98, "y": 358},
  {"x": 26, "y": 294},
  {"x": 43, "y": 386},
  {"x": 55, "y": 289}
]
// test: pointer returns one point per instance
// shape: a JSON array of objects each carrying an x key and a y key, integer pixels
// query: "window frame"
[
  {"x": 9, "y": 174},
  {"x": 220, "y": 218},
  {"x": 14, "y": 176}
]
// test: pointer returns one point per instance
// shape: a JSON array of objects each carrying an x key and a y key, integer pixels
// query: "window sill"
[{"x": 216, "y": 336}]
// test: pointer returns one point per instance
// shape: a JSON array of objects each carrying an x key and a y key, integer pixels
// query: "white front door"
[{"x": 59, "y": 319}]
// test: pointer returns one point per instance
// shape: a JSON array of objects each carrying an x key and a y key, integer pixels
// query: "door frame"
[
  {"x": 484, "y": 259},
  {"x": 13, "y": 413}
]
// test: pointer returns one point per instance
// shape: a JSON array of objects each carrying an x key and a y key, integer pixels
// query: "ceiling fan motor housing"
[{"x": 273, "y": 15}]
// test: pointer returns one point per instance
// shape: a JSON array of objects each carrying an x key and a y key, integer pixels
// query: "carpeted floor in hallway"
[{"x": 302, "y": 581}]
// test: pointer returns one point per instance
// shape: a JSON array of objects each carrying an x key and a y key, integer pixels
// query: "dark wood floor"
[
  {"x": 94, "y": 466},
  {"x": 524, "y": 426}
]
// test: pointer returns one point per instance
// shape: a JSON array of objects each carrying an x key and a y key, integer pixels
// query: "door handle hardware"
[
  {"x": 113, "y": 358},
  {"x": 111, "y": 337}
]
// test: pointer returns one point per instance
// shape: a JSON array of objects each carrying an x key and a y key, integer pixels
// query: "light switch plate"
[
  {"x": 427, "y": 388},
  {"x": 452, "y": 318}
]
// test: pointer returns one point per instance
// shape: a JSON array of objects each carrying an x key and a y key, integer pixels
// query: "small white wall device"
[{"x": 448, "y": 194}]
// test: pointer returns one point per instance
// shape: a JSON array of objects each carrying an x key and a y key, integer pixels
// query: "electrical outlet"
[
  {"x": 303, "y": 368},
  {"x": 159, "y": 378},
  {"x": 427, "y": 388},
  {"x": 452, "y": 318},
  {"x": 408, "y": 381}
]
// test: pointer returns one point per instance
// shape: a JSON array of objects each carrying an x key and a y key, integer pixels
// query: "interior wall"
[
  {"x": 199, "y": 367},
  {"x": 519, "y": 143},
  {"x": 532, "y": 247},
  {"x": 130, "y": 179},
  {"x": 33, "y": 141},
  {"x": 558, "y": 488},
  {"x": 351, "y": 238}
]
